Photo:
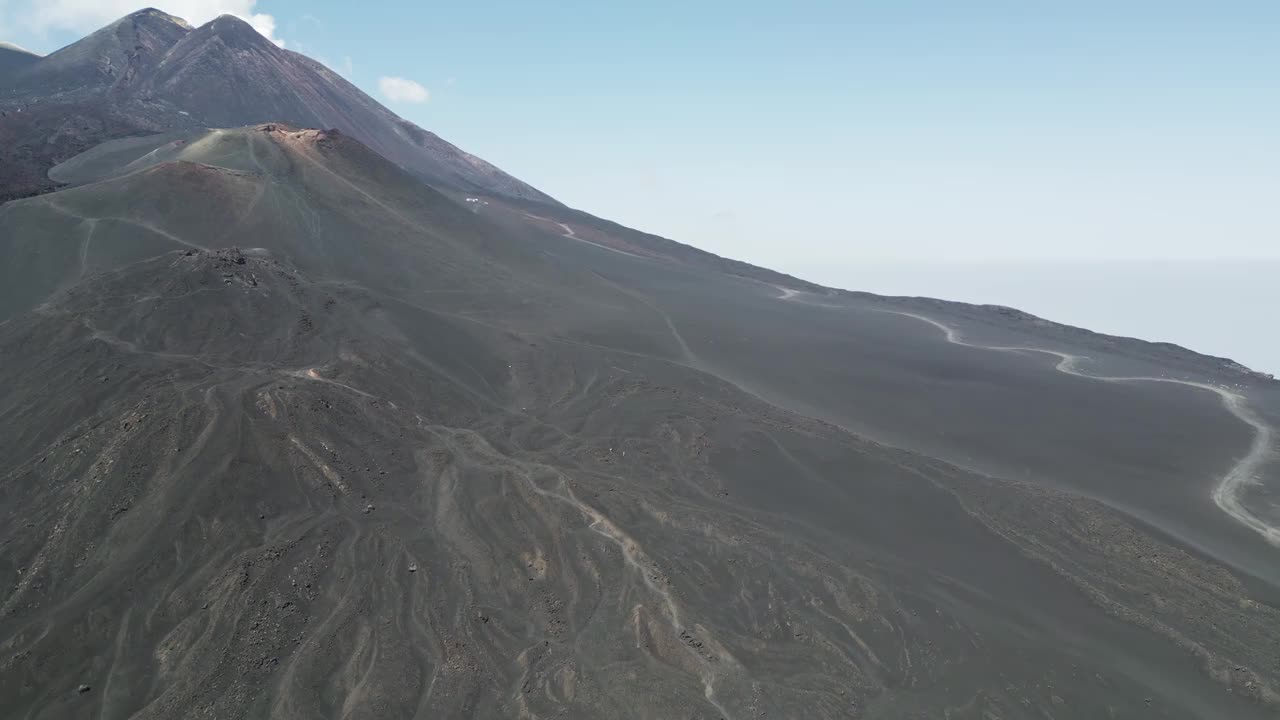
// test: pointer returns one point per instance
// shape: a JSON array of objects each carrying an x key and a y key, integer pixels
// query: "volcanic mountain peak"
[
  {"x": 150, "y": 72},
  {"x": 233, "y": 30},
  {"x": 151, "y": 14},
  {"x": 151, "y": 29},
  {"x": 118, "y": 53},
  {"x": 162, "y": 15}
]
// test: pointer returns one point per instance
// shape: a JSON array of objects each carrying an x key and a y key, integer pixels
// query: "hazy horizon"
[{"x": 1211, "y": 307}]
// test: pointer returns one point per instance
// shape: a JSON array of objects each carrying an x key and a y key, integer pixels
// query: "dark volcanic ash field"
[{"x": 403, "y": 456}]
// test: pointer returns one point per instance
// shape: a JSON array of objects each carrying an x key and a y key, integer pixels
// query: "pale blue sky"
[{"x": 804, "y": 133}]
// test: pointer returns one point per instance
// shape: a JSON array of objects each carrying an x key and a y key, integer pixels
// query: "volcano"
[
  {"x": 294, "y": 428},
  {"x": 151, "y": 72}
]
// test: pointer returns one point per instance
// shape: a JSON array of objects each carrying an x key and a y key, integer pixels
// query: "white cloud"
[
  {"x": 346, "y": 67},
  {"x": 88, "y": 15},
  {"x": 398, "y": 89},
  {"x": 263, "y": 23}
]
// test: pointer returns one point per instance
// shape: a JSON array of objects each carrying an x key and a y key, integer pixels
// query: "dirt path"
[
  {"x": 1226, "y": 493},
  {"x": 569, "y": 233},
  {"x": 132, "y": 221}
]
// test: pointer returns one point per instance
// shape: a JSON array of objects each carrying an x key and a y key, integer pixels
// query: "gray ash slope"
[
  {"x": 399, "y": 456},
  {"x": 14, "y": 58},
  {"x": 151, "y": 72},
  {"x": 611, "y": 234}
]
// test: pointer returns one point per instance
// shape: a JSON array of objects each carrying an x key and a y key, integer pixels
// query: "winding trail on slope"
[
  {"x": 787, "y": 293},
  {"x": 131, "y": 221},
  {"x": 569, "y": 233},
  {"x": 1226, "y": 494}
]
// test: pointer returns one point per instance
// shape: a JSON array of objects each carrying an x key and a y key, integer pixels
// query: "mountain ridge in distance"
[
  {"x": 289, "y": 432},
  {"x": 152, "y": 72}
]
